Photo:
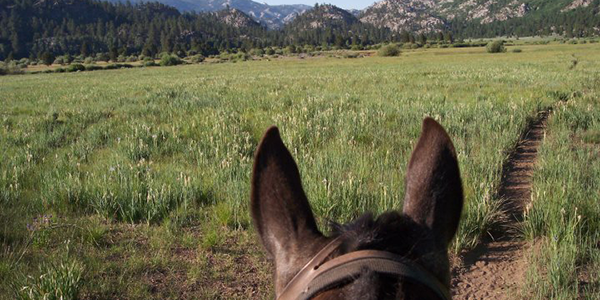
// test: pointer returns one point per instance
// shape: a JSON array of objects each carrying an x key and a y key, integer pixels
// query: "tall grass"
[
  {"x": 564, "y": 216},
  {"x": 166, "y": 145}
]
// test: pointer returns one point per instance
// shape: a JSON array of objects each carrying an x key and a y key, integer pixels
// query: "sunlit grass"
[{"x": 170, "y": 149}]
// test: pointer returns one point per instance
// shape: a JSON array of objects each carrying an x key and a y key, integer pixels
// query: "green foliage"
[
  {"x": 93, "y": 68},
  {"x": 389, "y": 50},
  {"x": 170, "y": 60},
  {"x": 198, "y": 58},
  {"x": 150, "y": 64},
  {"x": 257, "y": 52},
  {"x": 48, "y": 58},
  {"x": 496, "y": 47},
  {"x": 75, "y": 68},
  {"x": 517, "y": 50}
]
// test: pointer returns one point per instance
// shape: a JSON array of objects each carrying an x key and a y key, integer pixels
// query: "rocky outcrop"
[
  {"x": 577, "y": 4},
  {"x": 236, "y": 18},
  {"x": 405, "y": 15},
  {"x": 322, "y": 16}
]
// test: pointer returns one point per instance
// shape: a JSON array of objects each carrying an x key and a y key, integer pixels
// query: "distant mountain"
[
  {"x": 273, "y": 16},
  {"x": 324, "y": 16},
  {"x": 236, "y": 18},
  {"x": 422, "y": 16},
  {"x": 405, "y": 15}
]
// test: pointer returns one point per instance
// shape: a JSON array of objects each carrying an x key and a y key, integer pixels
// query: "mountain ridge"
[{"x": 272, "y": 16}]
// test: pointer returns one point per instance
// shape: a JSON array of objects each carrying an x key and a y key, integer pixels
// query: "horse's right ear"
[
  {"x": 280, "y": 209},
  {"x": 434, "y": 195}
]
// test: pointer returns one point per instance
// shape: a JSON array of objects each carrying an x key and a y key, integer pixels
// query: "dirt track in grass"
[{"x": 496, "y": 267}]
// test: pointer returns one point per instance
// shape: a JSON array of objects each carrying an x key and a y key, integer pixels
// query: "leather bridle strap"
[{"x": 318, "y": 276}]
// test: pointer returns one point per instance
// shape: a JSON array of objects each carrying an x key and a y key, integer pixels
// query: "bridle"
[{"x": 319, "y": 275}]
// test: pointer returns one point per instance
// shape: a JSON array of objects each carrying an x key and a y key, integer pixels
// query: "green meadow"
[{"x": 134, "y": 184}]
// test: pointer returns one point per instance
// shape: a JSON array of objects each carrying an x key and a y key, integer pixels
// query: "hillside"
[
  {"x": 236, "y": 18},
  {"x": 322, "y": 16},
  {"x": 31, "y": 27},
  {"x": 484, "y": 17},
  {"x": 273, "y": 16},
  {"x": 330, "y": 25}
]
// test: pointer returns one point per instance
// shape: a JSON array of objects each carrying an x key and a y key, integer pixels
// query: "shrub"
[
  {"x": 291, "y": 49},
  {"x": 242, "y": 56},
  {"x": 389, "y": 50},
  {"x": 270, "y": 51},
  {"x": 257, "y": 52},
  {"x": 11, "y": 67},
  {"x": 496, "y": 47},
  {"x": 198, "y": 58},
  {"x": 88, "y": 60},
  {"x": 59, "y": 61},
  {"x": 150, "y": 64},
  {"x": 67, "y": 58},
  {"x": 102, "y": 57},
  {"x": 93, "y": 68},
  {"x": 170, "y": 60},
  {"x": 517, "y": 50},
  {"x": 75, "y": 68}
]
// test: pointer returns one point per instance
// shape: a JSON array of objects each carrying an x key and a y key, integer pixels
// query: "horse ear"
[
  {"x": 434, "y": 195},
  {"x": 280, "y": 209}
]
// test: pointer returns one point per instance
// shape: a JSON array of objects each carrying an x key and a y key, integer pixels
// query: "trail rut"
[{"x": 496, "y": 267}]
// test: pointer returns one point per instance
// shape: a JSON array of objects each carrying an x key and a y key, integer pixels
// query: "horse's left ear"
[
  {"x": 280, "y": 209},
  {"x": 434, "y": 195}
]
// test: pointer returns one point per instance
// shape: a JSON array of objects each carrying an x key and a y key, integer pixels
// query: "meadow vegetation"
[{"x": 135, "y": 182}]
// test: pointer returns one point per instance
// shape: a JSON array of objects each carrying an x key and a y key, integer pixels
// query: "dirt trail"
[{"x": 497, "y": 266}]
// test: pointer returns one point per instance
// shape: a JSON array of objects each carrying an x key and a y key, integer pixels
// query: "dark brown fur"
[{"x": 422, "y": 232}]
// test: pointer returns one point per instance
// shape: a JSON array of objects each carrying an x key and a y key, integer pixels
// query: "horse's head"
[{"x": 410, "y": 260}]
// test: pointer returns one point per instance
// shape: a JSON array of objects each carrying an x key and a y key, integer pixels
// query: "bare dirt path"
[{"x": 497, "y": 266}]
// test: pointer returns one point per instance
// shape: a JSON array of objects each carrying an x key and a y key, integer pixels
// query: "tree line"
[{"x": 41, "y": 29}]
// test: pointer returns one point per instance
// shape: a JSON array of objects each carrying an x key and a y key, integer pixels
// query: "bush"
[
  {"x": 517, "y": 51},
  {"x": 197, "y": 59},
  {"x": 67, "y": 58},
  {"x": 496, "y": 47},
  {"x": 88, "y": 60},
  {"x": 350, "y": 54},
  {"x": 170, "y": 60},
  {"x": 257, "y": 52},
  {"x": 93, "y": 68},
  {"x": 150, "y": 64},
  {"x": 59, "y": 61},
  {"x": 291, "y": 49},
  {"x": 75, "y": 68},
  {"x": 242, "y": 56},
  {"x": 102, "y": 57},
  {"x": 270, "y": 51},
  {"x": 389, "y": 50}
]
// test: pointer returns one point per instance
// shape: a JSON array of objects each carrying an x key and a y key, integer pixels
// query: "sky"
[{"x": 347, "y": 4}]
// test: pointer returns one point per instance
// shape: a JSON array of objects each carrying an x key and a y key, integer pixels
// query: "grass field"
[{"x": 134, "y": 184}]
